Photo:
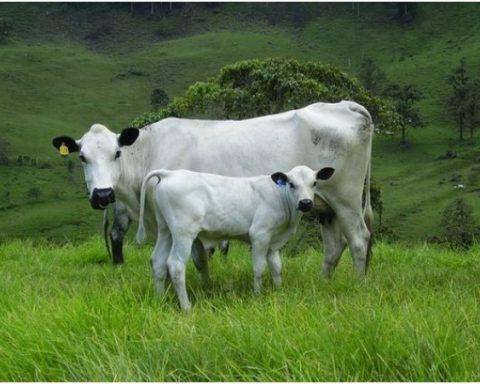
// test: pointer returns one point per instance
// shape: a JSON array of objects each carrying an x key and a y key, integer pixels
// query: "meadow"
[{"x": 69, "y": 315}]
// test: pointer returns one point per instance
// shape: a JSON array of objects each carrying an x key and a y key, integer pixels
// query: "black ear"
[
  {"x": 325, "y": 173},
  {"x": 61, "y": 142},
  {"x": 280, "y": 178},
  {"x": 128, "y": 136}
]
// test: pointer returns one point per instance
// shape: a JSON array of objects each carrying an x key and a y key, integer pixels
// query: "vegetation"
[
  {"x": 68, "y": 315},
  {"x": 459, "y": 225},
  {"x": 101, "y": 63},
  {"x": 260, "y": 87}
]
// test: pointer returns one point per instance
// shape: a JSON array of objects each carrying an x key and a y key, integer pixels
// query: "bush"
[
  {"x": 6, "y": 30},
  {"x": 458, "y": 225},
  {"x": 158, "y": 98},
  {"x": 259, "y": 87}
]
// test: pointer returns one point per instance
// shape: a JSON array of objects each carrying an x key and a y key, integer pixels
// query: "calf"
[{"x": 263, "y": 210}]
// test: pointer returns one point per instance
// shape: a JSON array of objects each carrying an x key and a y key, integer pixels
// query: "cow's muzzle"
[
  {"x": 102, "y": 197},
  {"x": 305, "y": 205}
]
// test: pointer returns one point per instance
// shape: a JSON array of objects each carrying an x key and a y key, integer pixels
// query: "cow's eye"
[
  {"x": 314, "y": 183},
  {"x": 118, "y": 154},
  {"x": 82, "y": 158},
  {"x": 291, "y": 185}
]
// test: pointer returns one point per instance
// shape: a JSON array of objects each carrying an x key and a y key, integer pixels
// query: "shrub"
[
  {"x": 6, "y": 30},
  {"x": 458, "y": 225},
  {"x": 259, "y": 87},
  {"x": 158, "y": 98}
]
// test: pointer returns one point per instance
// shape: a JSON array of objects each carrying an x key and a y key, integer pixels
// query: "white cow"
[
  {"x": 264, "y": 210},
  {"x": 320, "y": 135}
]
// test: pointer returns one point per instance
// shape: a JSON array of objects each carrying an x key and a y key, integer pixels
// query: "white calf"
[{"x": 263, "y": 210}]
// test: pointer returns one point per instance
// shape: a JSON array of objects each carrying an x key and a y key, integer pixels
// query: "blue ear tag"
[{"x": 281, "y": 183}]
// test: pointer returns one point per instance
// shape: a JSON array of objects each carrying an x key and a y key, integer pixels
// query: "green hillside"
[{"x": 67, "y": 66}]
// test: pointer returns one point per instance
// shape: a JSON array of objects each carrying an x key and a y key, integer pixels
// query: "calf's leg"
[
  {"x": 176, "y": 263},
  {"x": 160, "y": 255},
  {"x": 275, "y": 265}
]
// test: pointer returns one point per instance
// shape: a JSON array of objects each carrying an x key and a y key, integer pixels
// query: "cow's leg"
[
  {"x": 333, "y": 245},
  {"x": 160, "y": 255},
  {"x": 176, "y": 262},
  {"x": 357, "y": 235},
  {"x": 224, "y": 247},
  {"x": 275, "y": 265},
  {"x": 200, "y": 259},
  {"x": 259, "y": 259},
  {"x": 120, "y": 226}
]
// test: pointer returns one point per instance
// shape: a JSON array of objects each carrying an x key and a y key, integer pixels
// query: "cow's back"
[{"x": 315, "y": 136}]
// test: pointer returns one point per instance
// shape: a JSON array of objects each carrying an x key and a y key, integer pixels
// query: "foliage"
[
  {"x": 404, "y": 99},
  {"x": 259, "y": 87},
  {"x": 158, "y": 98},
  {"x": 464, "y": 99},
  {"x": 6, "y": 30},
  {"x": 371, "y": 76},
  {"x": 458, "y": 225}
]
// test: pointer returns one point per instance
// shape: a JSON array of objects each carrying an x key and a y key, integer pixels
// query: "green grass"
[
  {"x": 68, "y": 315},
  {"x": 54, "y": 80}
]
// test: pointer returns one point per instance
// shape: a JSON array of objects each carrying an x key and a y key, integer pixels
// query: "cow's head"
[
  {"x": 301, "y": 182},
  {"x": 100, "y": 151}
]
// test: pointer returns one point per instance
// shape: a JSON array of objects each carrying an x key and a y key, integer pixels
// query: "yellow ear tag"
[{"x": 63, "y": 149}]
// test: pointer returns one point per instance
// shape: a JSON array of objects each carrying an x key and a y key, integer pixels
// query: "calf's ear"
[
  {"x": 279, "y": 178},
  {"x": 65, "y": 145},
  {"x": 325, "y": 173},
  {"x": 128, "y": 136}
]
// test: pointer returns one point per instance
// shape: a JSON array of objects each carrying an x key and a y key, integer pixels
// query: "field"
[
  {"x": 68, "y": 315},
  {"x": 60, "y": 73}
]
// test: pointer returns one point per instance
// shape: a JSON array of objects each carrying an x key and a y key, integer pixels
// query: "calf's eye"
[
  {"x": 291, "y": 185},
  {"x": 117, "y": 155},
  {"x": 82, "y": 158}
]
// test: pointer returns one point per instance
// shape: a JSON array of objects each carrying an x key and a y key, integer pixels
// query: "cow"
[
  {"x": 337, "y": 135},
  {"x": 264, "y": 211}
]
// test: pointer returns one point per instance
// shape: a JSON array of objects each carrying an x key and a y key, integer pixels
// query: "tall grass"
[{"x": 68, "y": 315}]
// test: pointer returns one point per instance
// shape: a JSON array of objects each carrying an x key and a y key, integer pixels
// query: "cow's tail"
[{"x": 141, "y": 235}]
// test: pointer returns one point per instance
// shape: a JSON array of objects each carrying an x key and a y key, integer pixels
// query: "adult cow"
[{"x": 320, "y": 135}]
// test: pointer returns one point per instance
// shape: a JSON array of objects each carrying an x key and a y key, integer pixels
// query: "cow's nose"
[
  {"x": 305, "y": 205},
  {"x": 101, "y": 197}
]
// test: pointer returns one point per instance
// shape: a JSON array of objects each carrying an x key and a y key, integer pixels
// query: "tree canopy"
[{"x": 259, "y": 87}]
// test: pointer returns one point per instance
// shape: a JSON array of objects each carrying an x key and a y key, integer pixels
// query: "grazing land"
[{"x": 68, "y": 315}]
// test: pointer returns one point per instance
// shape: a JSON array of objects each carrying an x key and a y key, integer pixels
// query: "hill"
[{"x": 70, "y": 65}]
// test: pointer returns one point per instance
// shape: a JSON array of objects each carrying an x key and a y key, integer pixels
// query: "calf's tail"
[{"x": 141, "y": 235}]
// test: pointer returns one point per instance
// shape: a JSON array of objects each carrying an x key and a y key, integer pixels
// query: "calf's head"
[
  {"x": 100, "y": 152},
  {"x": 301, "y": 182}
]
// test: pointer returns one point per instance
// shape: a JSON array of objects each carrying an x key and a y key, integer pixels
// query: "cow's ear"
[
  {"x": 325, "y": 173},
  {"x": 280, "y": 178},
  {"x": 128, "y": 136},
  {"x": 65, "y": 145}
]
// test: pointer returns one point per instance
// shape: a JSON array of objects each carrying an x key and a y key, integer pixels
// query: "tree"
[
  {"x": 458, "y": 225},
  {"x": 6, "y": 30},
  {"x": 158, "y": 98},
  {"x": 472, "y": 105},
  {"x": 404, "y": 98},
  {"x": 260, "y": 87},
  {"x": 458, "y": 102},
  {"x": 371, "y": 76}
]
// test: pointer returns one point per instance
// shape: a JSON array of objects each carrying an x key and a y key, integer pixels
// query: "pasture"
[{"x": 69, "y": 315}]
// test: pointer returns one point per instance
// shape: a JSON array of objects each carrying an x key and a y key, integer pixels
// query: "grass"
[
  {"x": 57, "y": 81},
  {"x": 68, "y": 315}
]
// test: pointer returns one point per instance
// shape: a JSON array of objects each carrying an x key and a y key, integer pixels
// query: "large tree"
[{"x": 260, "y": 87}]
